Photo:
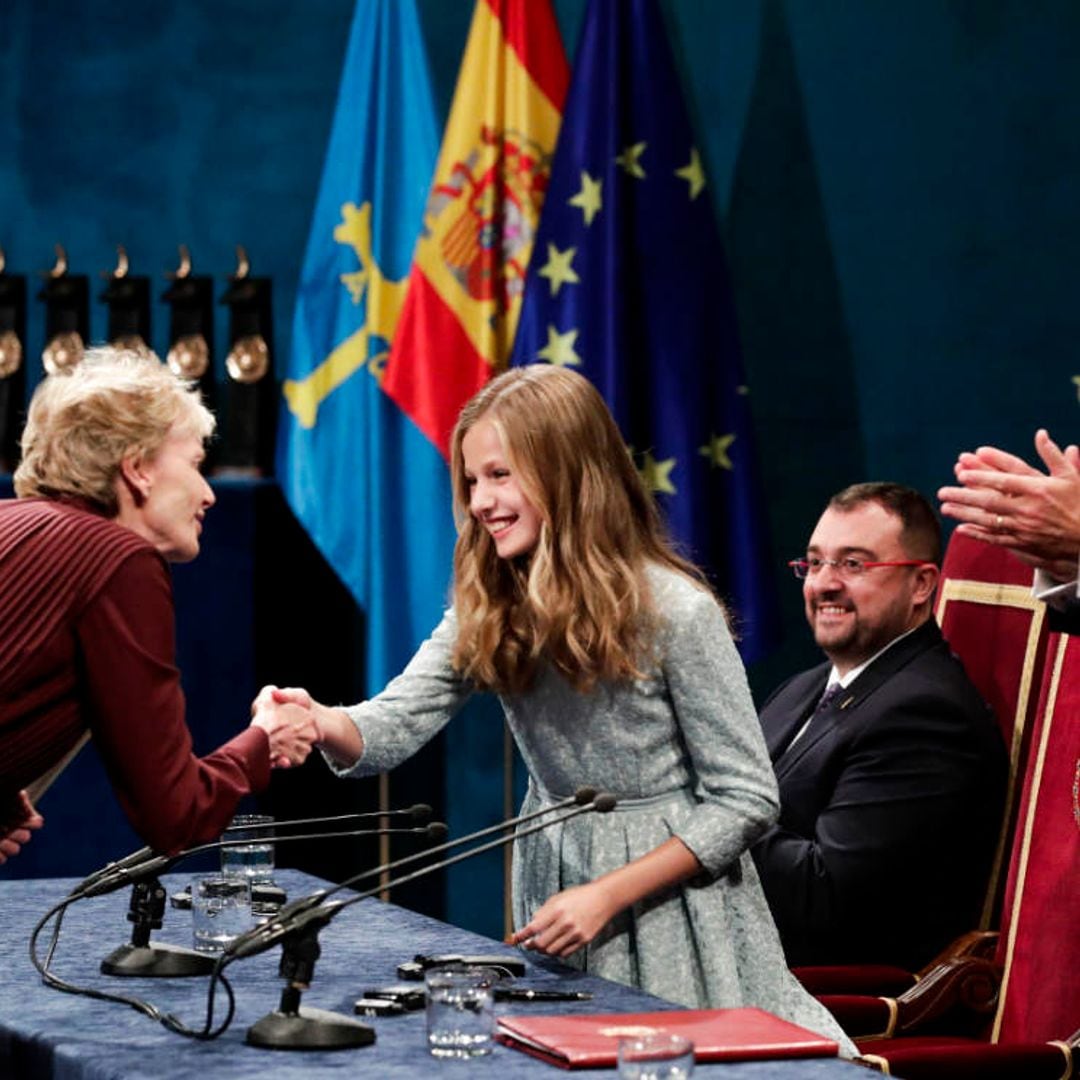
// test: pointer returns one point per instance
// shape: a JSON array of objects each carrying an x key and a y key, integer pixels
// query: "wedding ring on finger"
[{"x": 998, "y": 519}]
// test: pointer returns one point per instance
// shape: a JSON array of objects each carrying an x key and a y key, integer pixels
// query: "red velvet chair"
[
  {"x": 1029, "y": 1022},
  {"x": 998, "y": 629}
]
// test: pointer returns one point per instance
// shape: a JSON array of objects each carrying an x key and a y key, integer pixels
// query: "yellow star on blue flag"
[
  {"x": 559, "y": 349},
  {"x": 650, "y": 302},
  {"x": 657, "y": 474},
  {"x": 693, "y": 174},
  {"x": 559, "y": 269},
  {"x": 716, "y": 450},
  {"x": 589, "y": 200}
]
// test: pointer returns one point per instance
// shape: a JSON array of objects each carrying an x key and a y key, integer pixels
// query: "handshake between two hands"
[{"x": 290, "y": 718}]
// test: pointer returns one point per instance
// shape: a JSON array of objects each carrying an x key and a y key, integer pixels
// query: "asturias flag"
[
  {"x": 369, "y": 487},
  {"x": 628, "y": 285},
  {"x": 481, "y": 216}
]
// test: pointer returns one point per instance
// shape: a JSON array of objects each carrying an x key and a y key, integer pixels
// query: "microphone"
[
  {"x": 418, "y": 812},
  {"x": 146, "y": 959},
  {"x": 290, "y": 1026},
  {"x": 128, "y": 871},
  {"x": 583, "y": 796},
  {"x": 133, "y": 859}
]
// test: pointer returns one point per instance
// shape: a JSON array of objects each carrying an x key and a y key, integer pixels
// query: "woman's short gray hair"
[{"x": 83, "y": 423}]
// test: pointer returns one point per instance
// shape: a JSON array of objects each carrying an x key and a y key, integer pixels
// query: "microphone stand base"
[
  {"x": 309, "y": 1029},
  {"x": 158, "y": 961}
]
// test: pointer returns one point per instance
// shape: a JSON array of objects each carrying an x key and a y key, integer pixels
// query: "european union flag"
[
  {"x": 628, "y": 284},
  {"x": 369, "y": 487}
]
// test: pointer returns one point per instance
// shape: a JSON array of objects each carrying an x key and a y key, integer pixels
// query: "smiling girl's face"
[{"x": 496, "y": 499}]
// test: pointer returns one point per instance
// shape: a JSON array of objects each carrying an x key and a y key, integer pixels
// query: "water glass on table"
[
  {"x": 220, "y": 910},
  {"x": 460, "y": 1011},
  {"x": 660, "y": 1056},
  {"x": 253, "y": 859}
]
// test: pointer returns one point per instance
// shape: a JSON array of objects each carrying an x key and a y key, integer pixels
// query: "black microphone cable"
[
  {"x": 135, "y": 867},
  {"x": 265, "y": 937},
  {"x": 138, "y": 1004},
  {"x": 316, "y": 915}
]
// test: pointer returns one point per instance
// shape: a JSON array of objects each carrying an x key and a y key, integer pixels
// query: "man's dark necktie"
[
  {"x": 827, "y": 698},
  {"x": 831, "y": 694}
]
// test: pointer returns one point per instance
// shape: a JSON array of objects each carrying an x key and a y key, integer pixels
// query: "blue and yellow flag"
[
  {"x": 367, "y": 485},
  {"x": 628, "y": 285}
]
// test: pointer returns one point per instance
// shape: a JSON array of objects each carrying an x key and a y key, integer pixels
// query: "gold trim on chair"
[
  {"x": 1067, "y": 1050},
  {"x": 874, "y": 1061},
  {"x": 1022, "y": 598},
  {"x": 1029, "y": 824},
  {"x": 890, "y": 1026}
]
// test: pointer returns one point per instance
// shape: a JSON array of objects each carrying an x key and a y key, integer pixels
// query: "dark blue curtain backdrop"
[{"x": 898, "y": 186}]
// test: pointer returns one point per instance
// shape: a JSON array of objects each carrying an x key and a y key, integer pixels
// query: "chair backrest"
[
  {"x": 1039, "y": 945},
  {"x": 997, "y": 628}
]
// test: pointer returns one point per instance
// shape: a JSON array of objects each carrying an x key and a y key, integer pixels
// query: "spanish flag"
[{"x": 468, "y": 273}]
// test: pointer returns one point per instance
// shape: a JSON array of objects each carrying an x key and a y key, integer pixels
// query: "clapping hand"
[{"x": 1003, "y": 500}]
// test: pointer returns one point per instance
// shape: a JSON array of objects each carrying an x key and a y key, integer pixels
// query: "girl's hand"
[
  {"x": 569, "y": 920},
  {"x": 291, "y": 730},
  {"x": 334, "y": 731}
]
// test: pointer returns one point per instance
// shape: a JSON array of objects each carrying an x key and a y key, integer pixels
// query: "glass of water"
[
  {"x": 460, "y": 1012},
  {"x": 253, "y": 859},
  {"x": 661, "y": 1056},
  {"x": 220, "y": 910}
]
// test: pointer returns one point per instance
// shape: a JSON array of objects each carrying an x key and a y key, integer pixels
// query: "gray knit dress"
[{"x": 683, "y": 752}]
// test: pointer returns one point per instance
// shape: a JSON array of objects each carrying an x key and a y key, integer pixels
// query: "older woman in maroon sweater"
[{"x": 110, "y": 490}]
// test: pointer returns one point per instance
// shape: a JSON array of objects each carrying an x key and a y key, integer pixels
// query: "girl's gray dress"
[{"x": 683, "y": 752}]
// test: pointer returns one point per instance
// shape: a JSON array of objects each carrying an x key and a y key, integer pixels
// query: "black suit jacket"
[{"x": 890, "y": 807}]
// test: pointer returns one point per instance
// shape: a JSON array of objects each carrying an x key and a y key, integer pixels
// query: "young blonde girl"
[{"x": 615, "y": 667}]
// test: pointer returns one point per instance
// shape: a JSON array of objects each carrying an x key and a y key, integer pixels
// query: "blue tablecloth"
[{"x": 48, "y": 1034}]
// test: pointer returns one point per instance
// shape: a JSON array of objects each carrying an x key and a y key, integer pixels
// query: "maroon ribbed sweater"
[{"x": 87, "y": 641}]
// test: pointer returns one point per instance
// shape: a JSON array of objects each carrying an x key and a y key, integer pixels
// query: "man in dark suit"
[{"x": 892, "y": 787}]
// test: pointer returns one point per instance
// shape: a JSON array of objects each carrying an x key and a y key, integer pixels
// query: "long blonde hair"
[{"x": 580, "y": 599}]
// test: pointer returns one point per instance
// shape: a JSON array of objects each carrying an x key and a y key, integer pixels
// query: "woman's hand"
[
  {"x": 17, "y": 830},
  {"x": 290, "y": 727},
  {"x": 569, "y": 920},
  {"x": 336, "y": 733}
]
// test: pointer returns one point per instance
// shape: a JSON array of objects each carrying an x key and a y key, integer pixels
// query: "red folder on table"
[{"x": 591, "y": 1041}]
